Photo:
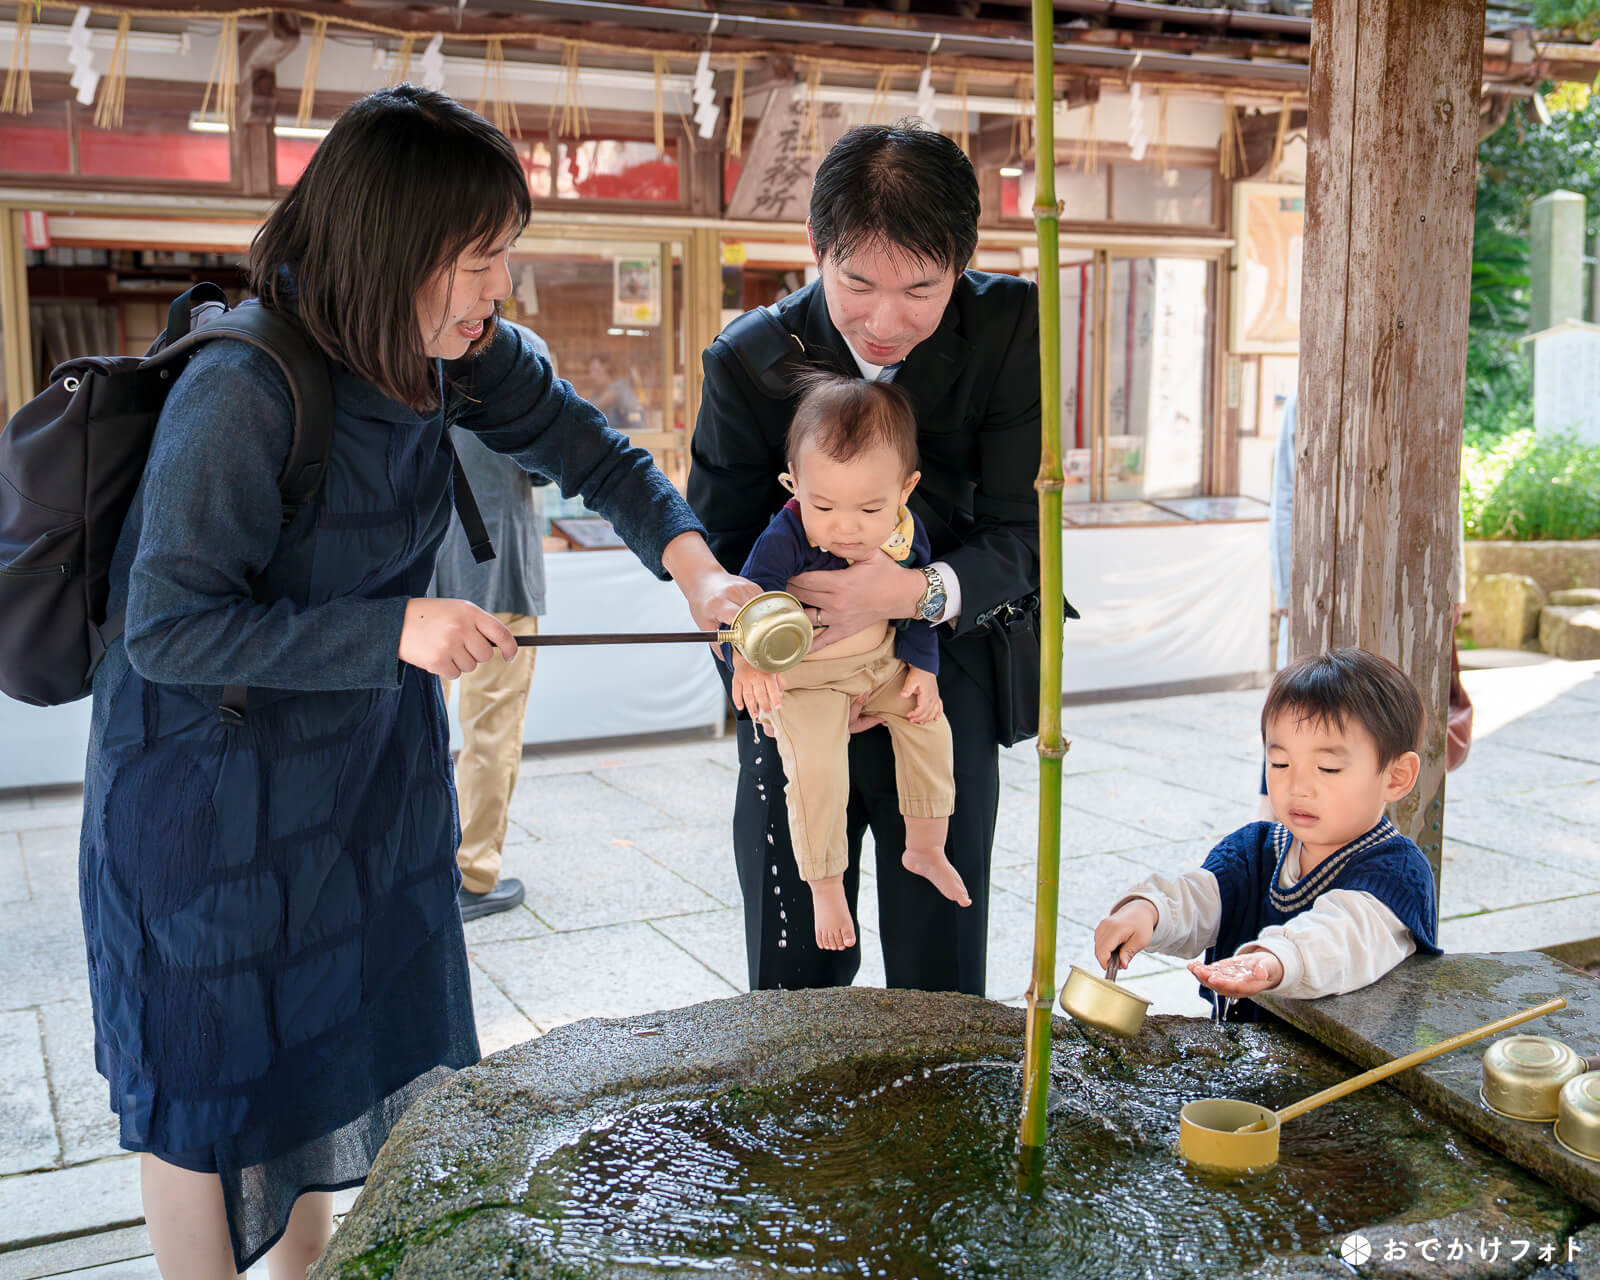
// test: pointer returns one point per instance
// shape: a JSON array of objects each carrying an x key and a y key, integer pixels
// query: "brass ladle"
[
  {"x": 771, "y": 631},
  {"x": 1223, "y": 1133}
]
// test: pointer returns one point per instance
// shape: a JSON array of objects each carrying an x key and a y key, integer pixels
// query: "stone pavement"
[{"x": 633, "y": 902}]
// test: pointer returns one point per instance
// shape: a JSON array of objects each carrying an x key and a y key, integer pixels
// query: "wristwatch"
[{"x": 933, "y": 599}]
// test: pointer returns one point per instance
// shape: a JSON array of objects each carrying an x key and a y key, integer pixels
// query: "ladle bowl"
[
  {"x": 1236, "y": 1136},
  {"x": 771, "y": 631},
  {"x": 1101, "y": 1003}
]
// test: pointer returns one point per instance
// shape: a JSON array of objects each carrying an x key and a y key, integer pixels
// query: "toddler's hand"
[
  {"x": 758, "y": 692},
  {"x": 1238, "y": 976},
  {"x": 1128, "y": 929},
  {"x": 922, "y": 687}
]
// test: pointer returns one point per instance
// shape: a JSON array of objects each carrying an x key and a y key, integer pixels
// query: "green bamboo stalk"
[{"x": 1047, "y": 220}]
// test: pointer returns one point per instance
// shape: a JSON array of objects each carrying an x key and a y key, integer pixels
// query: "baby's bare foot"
[
  {"x": 931, "y": 864},
  {"x": 831, "y": 912}
]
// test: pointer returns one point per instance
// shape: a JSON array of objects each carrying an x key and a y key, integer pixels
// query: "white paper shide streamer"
[
  {"x": 432, "y": 64},
  {"x": 85, "y": 79},
  {"x": 1138, "y": 132},
  {"x": 706, "y": 109},
  {"x": 925, "y": 97}
]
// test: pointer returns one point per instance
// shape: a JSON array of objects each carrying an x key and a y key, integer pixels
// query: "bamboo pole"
[{"x": 1047, "y": 219}]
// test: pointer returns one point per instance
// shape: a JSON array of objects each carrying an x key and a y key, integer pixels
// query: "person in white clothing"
[{"x": 1331, "y": 898}]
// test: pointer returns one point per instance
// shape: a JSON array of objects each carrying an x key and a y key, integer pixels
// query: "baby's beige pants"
[{"x": 812, "y": 732}]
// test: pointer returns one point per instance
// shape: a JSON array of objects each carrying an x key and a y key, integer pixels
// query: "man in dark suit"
[{"x": 893, "y": 222}]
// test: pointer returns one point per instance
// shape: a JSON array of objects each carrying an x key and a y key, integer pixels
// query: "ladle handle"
[
  {"x": 1411, "y": 1059},
  {"x": 664, "y": 637}
]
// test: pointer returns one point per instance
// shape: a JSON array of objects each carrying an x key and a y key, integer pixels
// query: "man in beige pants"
[{"x": 493, "y": 698}]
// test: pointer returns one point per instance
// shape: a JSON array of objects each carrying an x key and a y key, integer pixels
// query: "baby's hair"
[
  {"x": 845, "y": 417},
  {"x": 1345, "y": 684}
]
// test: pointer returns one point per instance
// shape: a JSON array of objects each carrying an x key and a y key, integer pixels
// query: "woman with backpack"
[{"x": 268, "y": 885}]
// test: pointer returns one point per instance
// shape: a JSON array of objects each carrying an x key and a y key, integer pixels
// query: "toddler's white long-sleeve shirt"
[{"x": 1346, "y": 940}]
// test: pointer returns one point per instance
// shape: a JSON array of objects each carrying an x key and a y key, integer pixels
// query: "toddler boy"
[
  {"x": 852, "y": 455},
  {"x": 1331, "y": 898}
]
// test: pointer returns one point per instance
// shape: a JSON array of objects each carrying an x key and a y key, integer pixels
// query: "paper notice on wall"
[
  {"x": 775, "y": 183},
  {"x": 636, "y": 291}
]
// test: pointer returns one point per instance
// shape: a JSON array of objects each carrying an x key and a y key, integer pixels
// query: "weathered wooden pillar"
[{"x": 1391, "y": 171}]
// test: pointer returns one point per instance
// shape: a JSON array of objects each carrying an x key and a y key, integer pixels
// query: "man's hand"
[
  {"x": 1128, "y": 929},
  {"x": 846, "y": 600},
  {"x": 922, "y": 687},
  {"x": 756, "y": 691},
  {"x": 1242, "y": 975},
  {"x": 859, "y": 720}
]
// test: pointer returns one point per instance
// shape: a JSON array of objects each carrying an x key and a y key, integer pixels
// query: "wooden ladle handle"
[{"x": 1411, "y": 1059}]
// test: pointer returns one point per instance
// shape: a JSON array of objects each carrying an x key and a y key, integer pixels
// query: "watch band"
[{"x": 934, "y": 598}]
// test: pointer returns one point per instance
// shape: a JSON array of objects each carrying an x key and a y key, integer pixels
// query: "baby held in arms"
[
  {"x": 852, "y": 453},
  {"x": 1330, "y": 897}
]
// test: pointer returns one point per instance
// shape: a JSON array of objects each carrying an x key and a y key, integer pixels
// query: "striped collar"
[{"x": 1305, "y": 890}]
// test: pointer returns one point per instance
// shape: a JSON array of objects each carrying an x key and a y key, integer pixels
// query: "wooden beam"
[{"x": 1391, "y": 173}]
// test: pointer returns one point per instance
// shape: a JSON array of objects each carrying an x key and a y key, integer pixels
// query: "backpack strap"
[
  {"x": 467, "y": 509},
  {"x": 764, "y": 347},
  {"x": 305, "y": 369}
]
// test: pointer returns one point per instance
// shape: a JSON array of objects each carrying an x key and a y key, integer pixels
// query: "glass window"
[
  {"x": 1158, "y": 411},
  {"x": 1082, "y": 195},
  {"x": 1173, "y": 197},
  {"x": 616, "y": 169},
  {"x": 599, "y": 305}
]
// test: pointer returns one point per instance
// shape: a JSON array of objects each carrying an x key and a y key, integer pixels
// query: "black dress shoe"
[{"x": 505, "y": 895}]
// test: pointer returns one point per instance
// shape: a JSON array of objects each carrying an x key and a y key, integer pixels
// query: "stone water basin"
[{"x": 871, "y": 1133}]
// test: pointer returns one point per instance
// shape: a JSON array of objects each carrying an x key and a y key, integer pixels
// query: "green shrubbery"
[{"x": 1521, "y": 487}]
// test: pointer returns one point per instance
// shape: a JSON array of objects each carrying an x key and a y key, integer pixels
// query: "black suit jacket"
[{"x": 975, "y": 385}]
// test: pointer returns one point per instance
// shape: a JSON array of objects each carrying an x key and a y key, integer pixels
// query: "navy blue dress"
[{"x": 276, "y": 957}]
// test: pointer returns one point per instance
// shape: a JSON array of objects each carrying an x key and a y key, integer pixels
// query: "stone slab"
[
  {"x": 78, "y": 1256},
  {"x": 500, "y": 1023},
  {"x": 1430, "y": 998},
  {"x": 1016, "y": 833},
  {"x": 88, "y": 1127},
  {"x": 13, "y": 876},
  {"x": 42, "y": 958},
  {"x": 612, "y": 972},
  {"x": 1531, "y": 925},
  {"x": 562, "y": 808},
  {"x": 697, "y": 792},
  {"x": 1493, "y": 769},
  {"x": 1474, "y": 879},
  {"x": 702, "y": 854},
  {"x": 36, "y": 1208},
  {"x": 27, "y": 1130},
  {"x": 1152, "y": 804},
  {"x": 618, "y": 884},
  {"x": 54, "y": 814},
  {"x": 1570, "y": 631}
]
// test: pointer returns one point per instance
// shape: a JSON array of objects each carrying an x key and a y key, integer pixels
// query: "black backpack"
[{"x": 71, "y": 460}]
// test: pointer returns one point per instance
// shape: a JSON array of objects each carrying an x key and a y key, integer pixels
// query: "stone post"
[{"x": 1556, "y": 260}]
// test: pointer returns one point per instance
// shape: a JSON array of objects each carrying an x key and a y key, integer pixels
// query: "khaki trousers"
[
  {"x": 812, "y": 731},
  {"x": 494, "y": 703}
]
